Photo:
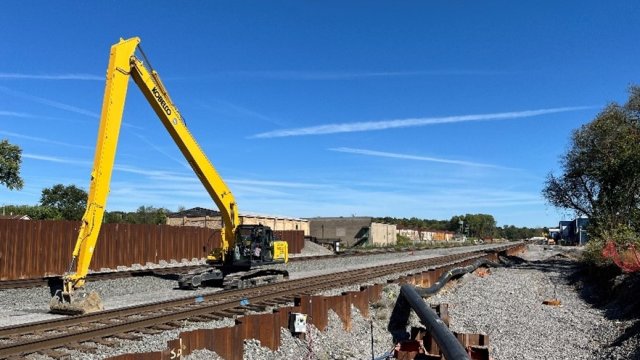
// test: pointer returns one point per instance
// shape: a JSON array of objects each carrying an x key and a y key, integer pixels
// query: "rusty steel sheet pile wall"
[
  {"x": 229, "y": 342},
  {"x": 294, "y": 238},
  {"x": 40, "y": 248}
]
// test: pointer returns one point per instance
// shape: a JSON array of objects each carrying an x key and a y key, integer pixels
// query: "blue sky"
[{"x": 429, "y": 109}]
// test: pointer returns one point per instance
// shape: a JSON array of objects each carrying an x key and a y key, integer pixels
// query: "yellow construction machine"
[{"x": 244, "y": 247}]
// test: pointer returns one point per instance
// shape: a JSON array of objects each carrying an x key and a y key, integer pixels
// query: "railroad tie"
[
  {"x": 252, "y": 307},
  {"x": 81, "y": 347},
  {"x": 127, "y": 336},
  {"x": 198, "y": 319},
  {"x": 106, "y": 342},
  {"x": 163, "y": 327},
  {"x": 58, "y": 355}
]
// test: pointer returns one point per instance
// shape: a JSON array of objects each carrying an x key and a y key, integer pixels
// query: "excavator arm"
[{"x": 124, "y": 64}]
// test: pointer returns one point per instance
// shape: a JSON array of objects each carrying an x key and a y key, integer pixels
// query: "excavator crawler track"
[{"x": 253, "y": 278}]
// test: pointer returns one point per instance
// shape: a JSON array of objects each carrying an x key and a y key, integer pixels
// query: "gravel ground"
[
  {"x": 19, "y": 306},
  {"x": 26, "y": 305},
  {"x": 311, "y": 249},
  {"x": 507, "y": 305}
]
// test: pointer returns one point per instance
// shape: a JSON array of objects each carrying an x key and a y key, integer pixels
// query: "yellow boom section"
[{"x": 122, "y": 65}]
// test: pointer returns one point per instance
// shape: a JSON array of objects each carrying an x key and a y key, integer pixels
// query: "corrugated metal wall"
[
  {"x": 295, "y": 239},
  {"x": 31, "y": 249}
]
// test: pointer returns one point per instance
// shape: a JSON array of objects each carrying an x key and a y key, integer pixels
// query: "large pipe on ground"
[
  {"x": 453, "y": 273},
  {"x": 412, "y": 297},
  {"x": 409, "y": 299}
]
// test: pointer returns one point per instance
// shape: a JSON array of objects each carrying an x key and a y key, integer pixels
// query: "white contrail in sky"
[
  {"x": 351, "y": 75},
  {"x": 15, "y": 114},
  {"x": 42, "y": 140},
  {"x": 83, "y": 77},
  {"x": 411, "y": 122},
  {"x": 48, "y": 102},
  {"x": 413, "y": 157},
  {"x": 55, "y": 159}
]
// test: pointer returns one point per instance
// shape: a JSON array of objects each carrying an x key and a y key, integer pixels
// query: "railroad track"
[
  {"x": 173, "y": 270},
  {"x": 81, "y": 332}
]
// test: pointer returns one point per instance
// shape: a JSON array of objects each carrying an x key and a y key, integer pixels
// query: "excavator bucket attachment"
[{"x": 78, "y": 304}]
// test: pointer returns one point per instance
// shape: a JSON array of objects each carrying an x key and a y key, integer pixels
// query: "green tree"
[
  {"x": 10, "y": 160},
  {"x": 479, "y": 225},
  {"x": 69, "y": 201},
  {"x": 151, "y": 215},
  {"x": 601, "y": 170},
  {"x": 34, "y": 212}
]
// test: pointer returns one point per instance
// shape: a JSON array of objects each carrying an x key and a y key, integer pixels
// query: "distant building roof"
[
  {"x": 399, "y": 227},
  {"x": 194, "y": 212},
  {"x": 202, "y": 212},
  {"x": 334, "y": 218},
  {"x": 247, "y": 214},
  {"x": 15, "y": 217}
]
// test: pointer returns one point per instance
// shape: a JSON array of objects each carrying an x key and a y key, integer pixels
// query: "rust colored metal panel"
[
  {"x": 294, "y": 238},
  {"x": 360, "y": 299},
  {"x": 472, "y": 339},
  {"x": 443, "y": 312},
  {"x": 263, "y": 327},
  {"x": 424, "y": 279},
  {"x": 374, "y": 292},
  {"x": 284, "y": 313},
  {"x": 158, "y": 355},
  {"x": 342, "y": 306},
  {"x": 316, "y": 309},
  {"x": 432, "y": 277},
  {"x": 189, "y": 341},
  {"x": 224, "y": 342},
  {"x": 37, "y": 248}
]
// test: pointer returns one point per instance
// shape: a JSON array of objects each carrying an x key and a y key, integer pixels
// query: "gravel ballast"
[
  {"x": 506, "y": 305},
  {"x": 18, "y": 306}
]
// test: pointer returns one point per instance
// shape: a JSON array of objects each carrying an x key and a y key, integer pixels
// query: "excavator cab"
[{"x": 255, "y": 245}]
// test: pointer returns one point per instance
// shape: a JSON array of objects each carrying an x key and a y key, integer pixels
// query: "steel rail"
[
  {"x": 110, "y": 275},
  {"x": 211, "y": 303}
]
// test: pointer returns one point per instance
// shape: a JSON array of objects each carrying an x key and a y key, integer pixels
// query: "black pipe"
[
  {"x": 444, "y": 278},
  {"x": 409, "y": 299},
  {"x": 412, "y": 298}
]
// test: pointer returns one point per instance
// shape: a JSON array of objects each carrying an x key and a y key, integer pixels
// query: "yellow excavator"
[{"x": 244, "y": 247}]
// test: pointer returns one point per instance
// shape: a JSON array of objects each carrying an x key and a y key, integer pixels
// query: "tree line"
[
  {"x": 68, "y": 202},
  {"x": 479, "y": 226},
  {"x": 600, "y": 176}
]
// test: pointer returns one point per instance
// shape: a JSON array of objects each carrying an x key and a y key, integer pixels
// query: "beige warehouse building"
[
  {"x": 355, "y": 230},
  {"x": 210, "y": 218}
]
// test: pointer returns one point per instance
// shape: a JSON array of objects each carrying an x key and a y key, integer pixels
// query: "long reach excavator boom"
[{"x": 124, "y": 64}]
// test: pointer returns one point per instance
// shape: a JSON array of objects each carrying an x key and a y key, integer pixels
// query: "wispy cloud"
[
  {"x": 15, "y": 114},
  {"x": 286, "y": 184},
  {"x": 412, "y": 122},
  {"x": 49, "y": 102},
  {"x": 226, "y": 107},
  {"x": 182, "y": 162},
  {"x": 413, "y": 157},
  {"x": 42, "y": 140},
  {"x": 19, "y": 76},
  {"x": 352, "y": 75},
  {"x": 55, "y": 159}
]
